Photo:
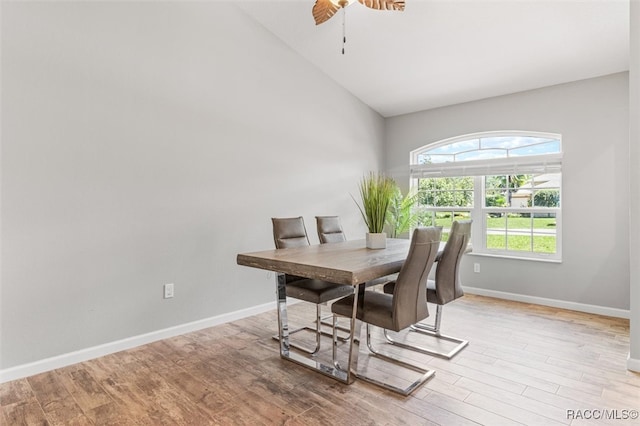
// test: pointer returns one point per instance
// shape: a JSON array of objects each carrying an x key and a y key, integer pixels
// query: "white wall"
[
  {"x": 147, "y": 143},
  {"x": 592, "y": 116}
]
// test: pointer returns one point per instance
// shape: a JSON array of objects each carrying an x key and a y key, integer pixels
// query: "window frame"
[{"x": 537, "y": 164}]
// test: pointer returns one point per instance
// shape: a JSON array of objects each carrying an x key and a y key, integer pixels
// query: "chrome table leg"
[{"x": 283, "y": 322}]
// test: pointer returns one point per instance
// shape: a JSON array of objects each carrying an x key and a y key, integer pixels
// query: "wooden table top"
[{"x": 348, "y": 262}]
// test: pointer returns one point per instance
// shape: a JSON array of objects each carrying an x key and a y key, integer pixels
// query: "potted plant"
[
  {"x": 401, "y": 216},
  {"x": 376, "y": 191}
]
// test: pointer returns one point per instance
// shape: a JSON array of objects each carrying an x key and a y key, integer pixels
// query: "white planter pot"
[{"x": 377, "y": 241}]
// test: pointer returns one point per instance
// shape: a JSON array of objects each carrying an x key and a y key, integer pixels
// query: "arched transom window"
[{"x": 508, "y": 182}]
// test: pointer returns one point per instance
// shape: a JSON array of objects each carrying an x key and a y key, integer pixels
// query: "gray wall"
[
  {"x": 634, "y": 180},
  {"x": 147, "y": 143},
  {"x": 592, "y": 116}
]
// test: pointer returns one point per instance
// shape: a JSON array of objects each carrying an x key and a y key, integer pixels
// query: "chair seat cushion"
[
  {"x": 316, "y": 291},
  {"x": 378, "y": 309},
  {"x": 432, "y": 296},
  {"x": 431, "y": 290}
]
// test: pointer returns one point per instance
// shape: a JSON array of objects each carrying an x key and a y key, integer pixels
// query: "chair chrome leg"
[
  {"x": 308, "y": 351},
  {"x": 339, "y": 327},
  {"x": 435, "y": 328},
  {"x": 328, "y": 321},
  {"x": 431, "y": 330},
  {"x": 426, "y": 374},
  {"x": 319, "y": 333}
]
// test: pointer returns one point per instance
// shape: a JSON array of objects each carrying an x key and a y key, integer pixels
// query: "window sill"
[{"x": 513, "y": 257}]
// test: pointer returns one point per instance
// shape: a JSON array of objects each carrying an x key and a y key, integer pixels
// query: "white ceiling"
[{"x": 444, "y": 52}]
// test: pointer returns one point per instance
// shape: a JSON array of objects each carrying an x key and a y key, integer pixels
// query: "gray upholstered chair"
[
  {"x": 291, "y": 232},
  {"x": 329, "y": 229},
  {"x": 405, "y": 306},
  {"x": 445, "y": 289}
]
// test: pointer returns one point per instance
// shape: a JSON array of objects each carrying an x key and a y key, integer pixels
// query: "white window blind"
[{"x": 531, "y": 164}]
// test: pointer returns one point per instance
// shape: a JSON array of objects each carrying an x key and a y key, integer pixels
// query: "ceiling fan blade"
[
  {"x": 323, "y": 10},
  {"x": 384, "y": 4}
]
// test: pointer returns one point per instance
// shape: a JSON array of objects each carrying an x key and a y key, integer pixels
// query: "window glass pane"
[
  {"x": 444, "y": 219},
  {"x": 516, "y": 181},
  {"x": 518, "y": 241},
  {"x": 508, "y": 191},
  {"x": 546, "y": 198},
  {"x": 456, "y": 147},
  {"x": 522, "y": 145},
  {"x": 519, "y": 232},
  {"x": 504, "y": 142},
  {"x": 484, "y": 154},
  {"x": 462, "y": 215},
  {"x": 520, "y": 198},
  {"x": 495, "y": 182},
  {"x": 427, "y": 198},
  {"x": 433, "y": 159},
  {"x": 426, "y": 218},
  {"x": 541, "y": 190},
  {"x": 515, "y": 196},
  {"x": 496, "y": 242},
  {"x": 519, "y": 221},
  {"x": 495, "y": 194},
  {"x": 496, "y": 231},
  {"x": 423, "y": 159},
  {"x": 446, "y": 192},
  {"x": 549, "y": 147},
  {"x": 495, "y": 198},
  {"x": 463, "y": 199},
  {"x": 544, "y": 232},
  {"x": 544, "y": 244}
]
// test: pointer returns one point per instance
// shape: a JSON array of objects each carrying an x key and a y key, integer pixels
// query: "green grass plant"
[{"x": 376, "y": 193}]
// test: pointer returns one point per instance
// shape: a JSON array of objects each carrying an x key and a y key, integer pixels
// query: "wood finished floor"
[{"x": 526, "y": 364}]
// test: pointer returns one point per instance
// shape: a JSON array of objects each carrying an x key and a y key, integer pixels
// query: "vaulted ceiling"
[{"x": 444, "y": 52}]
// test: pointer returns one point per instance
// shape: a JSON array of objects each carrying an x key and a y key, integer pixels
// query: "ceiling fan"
[{"x": 325, "y": 9}]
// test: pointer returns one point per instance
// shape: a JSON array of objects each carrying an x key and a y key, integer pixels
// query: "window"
[{"x": 509, "y": 183}]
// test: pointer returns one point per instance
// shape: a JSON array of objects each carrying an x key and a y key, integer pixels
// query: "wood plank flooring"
[{"x": 525, "y": 364}]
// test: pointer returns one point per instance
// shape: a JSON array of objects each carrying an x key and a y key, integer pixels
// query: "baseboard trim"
[
  {"x": 48, "y": 364},
  {"x": 572, "y": 306},
  {"x": 633, "y": 364}
]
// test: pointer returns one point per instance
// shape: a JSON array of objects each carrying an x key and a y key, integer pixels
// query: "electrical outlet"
[
  {"x": 168, "y": 291},
  {"x": 476, "y": 268}
]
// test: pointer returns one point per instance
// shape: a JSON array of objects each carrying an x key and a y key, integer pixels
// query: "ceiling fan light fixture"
[
  {"x": 342, "y": 3},
  {"x": 325, "y": 9}
]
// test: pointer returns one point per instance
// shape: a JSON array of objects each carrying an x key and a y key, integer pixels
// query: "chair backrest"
[
  {"x": 410, "y": 291},
  {"x": 448, "y": 285},
  {"x": 289, "y": 232},
  {"x": 329, "y": 229}
]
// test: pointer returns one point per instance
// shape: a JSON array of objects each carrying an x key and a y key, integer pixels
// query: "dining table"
[{"x": 348, "y": 263}]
